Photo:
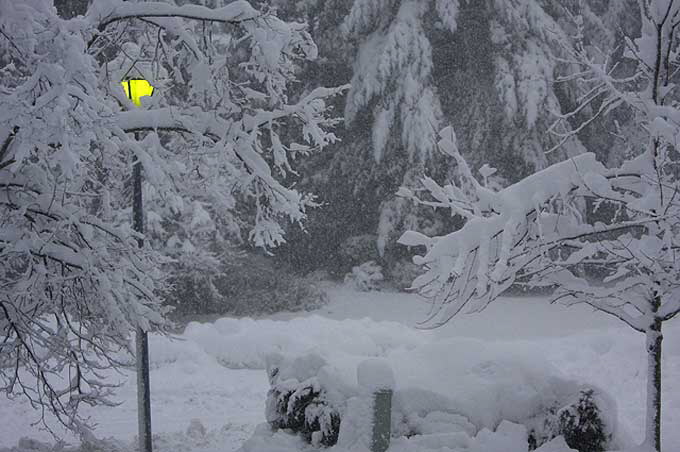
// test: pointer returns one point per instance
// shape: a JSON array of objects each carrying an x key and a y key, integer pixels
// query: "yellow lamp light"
[{"x": 136, "y": 89}]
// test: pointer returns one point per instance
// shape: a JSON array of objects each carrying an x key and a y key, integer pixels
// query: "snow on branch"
[
  {"x": 170, "y": 118},
  {"x": 240, "y": 138},
  {"x": 505, "y": 231},
  {"x": 309, "y": 111},
  {"x": 533, "y": 231},
  {"x": 105, "y": 12}
]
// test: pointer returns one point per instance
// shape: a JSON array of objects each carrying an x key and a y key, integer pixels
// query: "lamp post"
[{"x": 135, "y": 89}]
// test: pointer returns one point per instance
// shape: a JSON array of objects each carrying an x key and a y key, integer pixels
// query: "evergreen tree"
[{"x": 487, "y": 67}]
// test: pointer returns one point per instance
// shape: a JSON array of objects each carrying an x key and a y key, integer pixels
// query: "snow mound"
[
  {"x": 375, "y": 374},
  {"x": 244, "y": 343},
  {"x": 447, "y": 390},
  {"x": 508, "y": 437},
  {"x": 556, "y": 445},
  {"x": 488, "y": 382}
]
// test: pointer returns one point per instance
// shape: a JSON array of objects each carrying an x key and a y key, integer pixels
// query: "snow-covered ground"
[{"x": 214, "y": 373}]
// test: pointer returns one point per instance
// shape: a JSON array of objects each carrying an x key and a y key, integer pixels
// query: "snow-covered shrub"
[
  {"x": 403, "y": 273},
  {"x": 357, "y": 249},
  {"x": 297, "y": 400},
  {"x": 190, "y": 295},
  {"x": 196, "y": 429},
  {"x": 583, "y": 423},
  {"x": 285, "y": 292},
  {"x": 365, "y": 277},
  {"x": 302, "y": 408}
]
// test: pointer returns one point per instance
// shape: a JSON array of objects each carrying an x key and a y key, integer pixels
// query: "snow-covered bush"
[
  {"x": 356, "y": 250},
  {"x": 402, "y": 274},
  {"x": 302, "y": 408},
  {"x": 297, "y": 400},
  {"x": 365, "y": 277},
  {"x": 584, "y": 423},
  {"x": 423, "y": 422}
]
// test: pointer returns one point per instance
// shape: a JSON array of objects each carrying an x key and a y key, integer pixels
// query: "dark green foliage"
[
  {"x": 358, "y": 191},
  {"x": 305, "y": 410},
  {"x": 580, "y": 423},
  {"x": 402, "y": 274},
  {"x": 356, "y": 250},
  {"x": 247, "y": 285},
  {"x": 320, "y": 417},
  {"x": 71, "y": 8}
]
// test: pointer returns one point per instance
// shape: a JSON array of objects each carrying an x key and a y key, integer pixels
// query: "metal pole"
[{"x": 141, "y": 338}]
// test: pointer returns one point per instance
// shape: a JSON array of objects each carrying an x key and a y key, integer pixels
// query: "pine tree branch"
[{"x": 5, "y": 147}]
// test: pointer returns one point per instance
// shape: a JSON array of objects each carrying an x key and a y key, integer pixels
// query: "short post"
[
  {"x": 382, "y": 420},
  {"x": 376, "y": 376}
]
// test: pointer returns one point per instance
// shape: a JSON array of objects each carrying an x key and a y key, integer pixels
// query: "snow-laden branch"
[
  {"x": 520, "y": 231},
  {"x": 180, "y": 120},
  {"x": 505, "y": 231},
  {"x": 105, "y": 12},
  {"x": 235, "y": 136},
  {"x": 512, "y": 204}
]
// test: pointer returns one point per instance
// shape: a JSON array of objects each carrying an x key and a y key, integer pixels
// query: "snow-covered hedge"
[
  {"x": 365, "y": 277},
  {"x": 460, "y": 404},
  {"x": 297, "y": 401}
]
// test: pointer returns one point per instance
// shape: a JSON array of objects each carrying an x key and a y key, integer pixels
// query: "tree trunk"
[{"x": 653, "y": 424}]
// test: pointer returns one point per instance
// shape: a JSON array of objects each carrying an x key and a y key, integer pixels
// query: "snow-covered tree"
[
  {"x": 533, "y": 231},
  {"x": 487, "y": 67},
  {"x": 73, "y": 281}
]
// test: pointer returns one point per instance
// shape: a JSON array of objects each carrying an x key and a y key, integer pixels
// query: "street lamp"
[{"x": 135, "y": 89}]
